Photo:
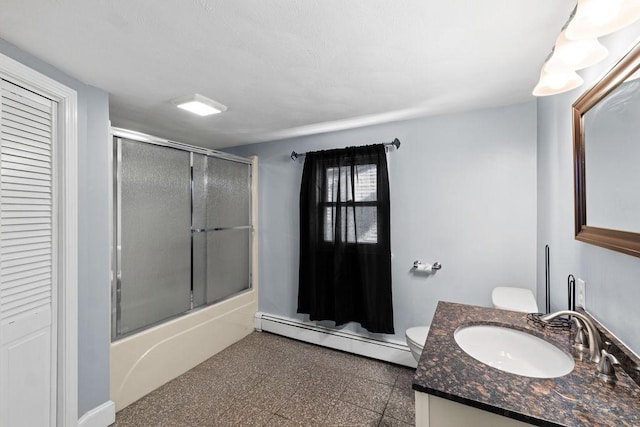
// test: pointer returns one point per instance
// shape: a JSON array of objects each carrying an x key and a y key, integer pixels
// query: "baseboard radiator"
[{"x": 388, "y": 351}]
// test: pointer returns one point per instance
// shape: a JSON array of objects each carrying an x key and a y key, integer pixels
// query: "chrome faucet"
[
  {"x": 595, "y": 346},
  {"x": 605, "y": 369}
]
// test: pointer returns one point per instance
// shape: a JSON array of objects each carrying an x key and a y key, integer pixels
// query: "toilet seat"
[
  {"x": 515, "y": 299},
  {"x": 418, "y": 335}
]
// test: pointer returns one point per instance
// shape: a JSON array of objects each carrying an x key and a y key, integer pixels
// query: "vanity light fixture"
[
  {"x": 198, "y": 104},
  {"x": 552, "y": 83},
  {"x": 574, "y": 54},
  {"x": 577, "y": 46},
  {"x": 595, "y": 18}
]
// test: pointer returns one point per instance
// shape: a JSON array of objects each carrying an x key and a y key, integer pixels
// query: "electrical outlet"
[{"x": 580, "y": 293}]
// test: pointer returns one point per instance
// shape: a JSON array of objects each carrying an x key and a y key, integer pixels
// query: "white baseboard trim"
[
  {"x": 388, "y": 351},
  {"x": 100, "y": 416}
]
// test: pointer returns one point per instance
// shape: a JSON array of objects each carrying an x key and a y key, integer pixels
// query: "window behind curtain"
[
  {"x": 345, "y": 254},
  {"x": 357, "y": 199}
]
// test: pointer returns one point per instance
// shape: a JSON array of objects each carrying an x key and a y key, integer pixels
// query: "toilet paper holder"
[{"x": 418, "y": 265}]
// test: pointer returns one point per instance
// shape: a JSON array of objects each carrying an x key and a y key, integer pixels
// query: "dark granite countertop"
[{"x": 576, "y": 399}]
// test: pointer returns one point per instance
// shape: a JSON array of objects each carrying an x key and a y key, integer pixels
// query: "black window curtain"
[{"x": 345, "y": 250}]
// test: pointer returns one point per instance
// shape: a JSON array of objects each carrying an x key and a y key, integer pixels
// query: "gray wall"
[
  {"x": 93, "y": 274},
  {"x": 613, "y": 291},
  {"x": 463, "y": 192}
]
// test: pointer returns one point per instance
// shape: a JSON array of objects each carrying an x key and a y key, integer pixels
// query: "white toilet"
[
  {"x": 505, "y": 298},
  {"x": 416, "y": 337},
  {"x": 514, "y": 299}
]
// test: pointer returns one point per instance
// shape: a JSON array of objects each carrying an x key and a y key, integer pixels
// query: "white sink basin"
[{"x": 513, "y": 351}]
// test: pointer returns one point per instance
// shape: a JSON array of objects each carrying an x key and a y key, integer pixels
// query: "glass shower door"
[
  {"x": 154, "y": 246},
  {"x": 221, "y": 228}
]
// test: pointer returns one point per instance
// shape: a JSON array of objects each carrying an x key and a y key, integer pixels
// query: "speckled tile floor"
[{"x": 268, "y": 380}]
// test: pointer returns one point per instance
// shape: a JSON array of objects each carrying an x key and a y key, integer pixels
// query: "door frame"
[{"x": 66, "y": 179}]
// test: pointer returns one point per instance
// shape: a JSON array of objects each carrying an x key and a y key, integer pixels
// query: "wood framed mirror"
[{"x": 606, "y": 144}]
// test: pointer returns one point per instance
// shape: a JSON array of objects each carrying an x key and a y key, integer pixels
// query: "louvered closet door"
[{"x": 27, "y": 287}]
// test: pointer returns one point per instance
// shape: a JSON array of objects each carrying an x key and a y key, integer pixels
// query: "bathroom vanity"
[{"x": 454, "y": 389}]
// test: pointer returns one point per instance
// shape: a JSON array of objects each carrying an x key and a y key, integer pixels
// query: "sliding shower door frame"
[
  {"x": 149, "y": 139},
  {"x": 117, "y": 135}
]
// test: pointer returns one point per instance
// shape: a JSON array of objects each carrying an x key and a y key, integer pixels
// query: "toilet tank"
[{"x": 514, "y": 299}]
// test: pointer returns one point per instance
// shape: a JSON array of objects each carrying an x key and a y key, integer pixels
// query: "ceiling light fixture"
[
  {"x": 198, "y": 104},
  {"x": 596, "y": 18}
]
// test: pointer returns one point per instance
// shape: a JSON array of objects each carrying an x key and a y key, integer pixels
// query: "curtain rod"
[{"x": 395, "y": 143}]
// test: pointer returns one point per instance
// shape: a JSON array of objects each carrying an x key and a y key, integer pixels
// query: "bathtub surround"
[
  {"x": 144, "y": 361},
  {"x": 345, "y": 254},
  {"x": 462, "y": 192},
  {"x": 183, "y": 230}
]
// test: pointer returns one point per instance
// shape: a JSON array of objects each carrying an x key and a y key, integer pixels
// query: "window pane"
[
  {"x": 332, "y": 184},
  {"x": 367, "y": 224},
  {"x": 364, "y": 226},
  {"x": 329, "y": 223},
  {"x": 365, "y": 185},
  {"x": 346, "y": 190}
]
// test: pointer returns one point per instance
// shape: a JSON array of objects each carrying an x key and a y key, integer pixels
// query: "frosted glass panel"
[
  {"x": 227, "y": 263},
  {"x": 221, "y": 200},
  {"x": 199, "y": 191},
  {"x": 228, "y": 193},
  {"x": 199, "y": 269},
  {"x": 199, "y": 218},
  {"x": 155, "y": 261}
]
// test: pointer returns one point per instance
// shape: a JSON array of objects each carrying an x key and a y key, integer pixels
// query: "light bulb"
[
  {"x": 595, "y": 18},
  {"x": 557, "y": 80},
  {"x": 552, "y": 83},
  {"x": 600, "y": 12},
  {"x": 575, "y": 54}
]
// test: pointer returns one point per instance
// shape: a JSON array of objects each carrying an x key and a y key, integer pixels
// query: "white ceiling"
[{"x": 289, "y": 67}]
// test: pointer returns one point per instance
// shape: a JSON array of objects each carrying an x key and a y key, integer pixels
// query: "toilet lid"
[
  {"x": 418, "y": 334},
  {"x": 515, "y": 299}
]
